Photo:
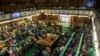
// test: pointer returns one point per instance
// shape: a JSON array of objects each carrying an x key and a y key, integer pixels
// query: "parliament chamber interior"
[{"x": 49, "y": 28}]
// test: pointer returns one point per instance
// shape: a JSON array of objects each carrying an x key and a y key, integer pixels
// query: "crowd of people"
[{"x": 16, "y": 39}]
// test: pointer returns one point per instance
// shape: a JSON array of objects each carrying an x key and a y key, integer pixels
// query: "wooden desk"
[{"x": 47, "y": 41}]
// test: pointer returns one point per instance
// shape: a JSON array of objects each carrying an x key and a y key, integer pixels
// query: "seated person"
[{"x": 10, "y": 51}]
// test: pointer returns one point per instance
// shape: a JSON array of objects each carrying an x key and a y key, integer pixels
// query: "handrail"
[
  {"x": 79, "y": 46},
  {"x": 61, "y": 54}
]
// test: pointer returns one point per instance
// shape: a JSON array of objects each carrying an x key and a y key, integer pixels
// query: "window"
[{"x": 64, "y": 19}]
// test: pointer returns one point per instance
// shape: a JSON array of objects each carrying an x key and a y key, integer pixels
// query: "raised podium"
[{"x": 48, "y": 40}]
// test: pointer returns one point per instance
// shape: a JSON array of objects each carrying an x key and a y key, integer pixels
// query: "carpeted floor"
[{"x": 30, "y": 52}]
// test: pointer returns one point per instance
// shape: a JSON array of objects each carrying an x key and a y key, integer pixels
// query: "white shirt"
[{"x": 61, "y": 48}]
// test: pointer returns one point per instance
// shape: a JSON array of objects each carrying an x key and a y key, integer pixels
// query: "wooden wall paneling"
[
  {"x": 84, "y": 20},
  {"x": 72, "y": 20},
  {"x": 78, "y": 21},
  {"x": 46, "y": 17},
  {"x": 39, "y": 17},
  {"x": 57, "y": 18},
  {"x": 90, "y": 21},
  {"x": 49, "y": 17},
  {"x": 81, "y": 21},
  {"x": 75, "y": 20}
]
